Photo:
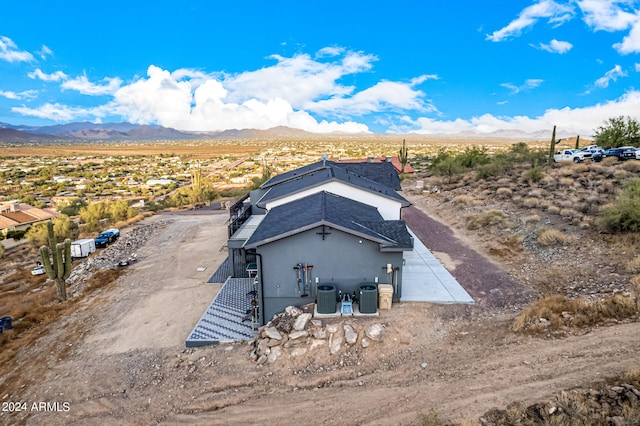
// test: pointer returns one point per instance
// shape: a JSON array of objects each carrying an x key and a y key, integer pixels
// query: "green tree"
[
  {"x": 448, "y": 167},
  {"x": 72, "y": 208},
  {"x": 618, "y": 131},
  {"x": 63, "y": 228}
]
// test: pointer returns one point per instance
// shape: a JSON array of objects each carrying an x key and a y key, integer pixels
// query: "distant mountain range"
[{"x": 85, "y": 132}]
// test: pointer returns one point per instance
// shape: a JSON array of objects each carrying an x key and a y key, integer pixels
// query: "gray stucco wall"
[{"x": 341, "y": 259}]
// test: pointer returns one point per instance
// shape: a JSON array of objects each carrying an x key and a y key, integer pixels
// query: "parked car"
[
  {"x": 630, "y": 153},
  {"x": 614, "y": 152},
  {"x": 597, "y": 152},
  {"x": 107, "y": 237},
  {"x": 38, "y": 270}
]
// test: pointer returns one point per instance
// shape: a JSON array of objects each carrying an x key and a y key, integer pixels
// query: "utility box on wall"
[{"x": 385, "y": 296}]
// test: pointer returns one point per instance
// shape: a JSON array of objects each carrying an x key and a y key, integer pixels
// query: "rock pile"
[
  {"x": 109, "y": 257},
  {"x": 294, "y": 333},
  {"x": 610, "y": 405}
]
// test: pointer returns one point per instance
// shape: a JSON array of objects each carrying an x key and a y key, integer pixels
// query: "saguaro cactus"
[
  {"x": 578, "y": 142},
  {"x": 56, "y": 259},
  {"x": 553, "y": 145},
  {"x": 403, "y": 156}
]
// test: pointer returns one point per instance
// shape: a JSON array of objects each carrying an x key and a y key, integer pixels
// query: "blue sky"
[{"x": 322, "y": 66}]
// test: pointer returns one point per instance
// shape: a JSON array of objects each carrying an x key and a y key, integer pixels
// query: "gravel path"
[{"x": 485, "y": 281}]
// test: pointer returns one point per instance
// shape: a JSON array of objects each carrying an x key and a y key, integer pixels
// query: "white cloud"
[
  {"x": 56, "y": 76},
  {"x": 44, "y": 52},
  {"x": 577, "y": 121},
  {"x": 606, "y": 15},
  {"x": 386, "y": 95},
  {"x": 611, "y": 75},
  {"x": 9, "y": 51},
  {"x": 27, "y": 95},
  {"x": 631, "y": 42},
  {"x": 298, "y": 80},
  {"x": 203, "y": 104},
  {"x": 56, "y": 112},
  {"x": 637, "y": 65},
  {"x": 84, "y": 86},
  {"x": 545, "y": 9},
  {"x": 531, "y": 83},
  {"x": 286, "y": 93},
  {"x": 556, "y": 46}
]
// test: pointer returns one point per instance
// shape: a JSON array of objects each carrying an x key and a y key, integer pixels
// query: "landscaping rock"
[
  {"x": 350, "y": 334},
  {"x": 375, "y": 332},
  {"x": 301, "y": 321},
  {"x": 273, "y": 333}
]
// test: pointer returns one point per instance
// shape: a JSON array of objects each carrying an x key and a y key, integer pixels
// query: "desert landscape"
[{"x": 115, "y": 352}]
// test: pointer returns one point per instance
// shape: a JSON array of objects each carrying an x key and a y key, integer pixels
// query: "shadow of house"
[{"x": 320, "y": 223}]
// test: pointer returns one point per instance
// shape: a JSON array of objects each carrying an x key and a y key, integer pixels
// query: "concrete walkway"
[{"x": 425, "y": 279}]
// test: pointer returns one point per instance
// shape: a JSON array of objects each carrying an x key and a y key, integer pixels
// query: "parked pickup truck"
[
  {"x": 574, "y": 155},
  {"x": 107, "y": 237}
]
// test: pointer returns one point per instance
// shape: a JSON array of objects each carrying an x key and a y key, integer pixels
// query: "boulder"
[
  {"x": 301, "y": 321},
  {"x": 273, "y": 333},
  {"x": 273, "y": 356},
  {"x": 297, "y": 334},
  {"x": 375, "y": 332},
  {"x": 350, "y": 335}
]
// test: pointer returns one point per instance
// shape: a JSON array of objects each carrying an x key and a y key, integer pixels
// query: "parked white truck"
[
  {"x": 574, "y": 155},
  {"x": 82, "y": 248}
]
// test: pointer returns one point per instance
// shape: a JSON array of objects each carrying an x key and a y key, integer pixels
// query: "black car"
[
  {"x": 614, "y": 152},
  {"x": 629, "y": 154}
]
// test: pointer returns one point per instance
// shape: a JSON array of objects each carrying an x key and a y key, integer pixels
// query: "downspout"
[{"x": 261, "y": 280}]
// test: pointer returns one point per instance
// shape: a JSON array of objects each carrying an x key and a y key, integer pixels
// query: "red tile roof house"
[{"x": 20, "y": 217}]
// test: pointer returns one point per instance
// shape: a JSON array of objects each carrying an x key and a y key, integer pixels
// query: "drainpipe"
[{"x": 261, "y": 310}]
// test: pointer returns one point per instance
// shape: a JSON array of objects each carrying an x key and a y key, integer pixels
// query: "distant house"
[
  {"x": 16, "y": 216},
  {"x": 319, "y": 224}
]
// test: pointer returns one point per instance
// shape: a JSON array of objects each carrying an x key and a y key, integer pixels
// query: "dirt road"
[{"x": 121, "y": 358}]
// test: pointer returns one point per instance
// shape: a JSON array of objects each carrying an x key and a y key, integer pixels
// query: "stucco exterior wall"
[{"x": 341, "y": 259}]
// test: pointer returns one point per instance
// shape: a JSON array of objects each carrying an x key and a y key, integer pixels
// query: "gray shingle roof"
[
  {"x": 318, "y": 176},
  {"x": 382, "y": 173},
  {"x": 325, "y": 208}
]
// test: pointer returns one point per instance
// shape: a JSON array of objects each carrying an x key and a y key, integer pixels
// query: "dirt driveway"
[{"x": 121, "y": 359}]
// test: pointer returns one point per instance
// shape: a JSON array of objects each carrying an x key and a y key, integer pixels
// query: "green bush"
[
  {"x": 16, "y": 235},
  {"x": 624, "y": 214}
]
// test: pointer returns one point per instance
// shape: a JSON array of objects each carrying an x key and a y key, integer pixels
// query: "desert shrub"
[
  {"x": 463, "y": 199},
  {"x": 624, "y": 214},
  {"x": 610, "y": 161},
  {"x": 491, "y": 217},
  {"x": 532, "y": 218},
  {"x": 631, "y": 166},
  {"x": 553, "y": 313},
  {"x": 531, "y": 202},
  {"x": 566, "y": 181},
  {"x": 504, "y": 192},
  {"x": 534, "y": 174},
  {"x": 570, "y": 213},
  {"x": 552, "y": 237},
  {"x": 495, "y": 168},
  {"x": 16, "y": 234},
  {"x": 553, "y": 209},
  {"x": 633, "y": 265}
]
